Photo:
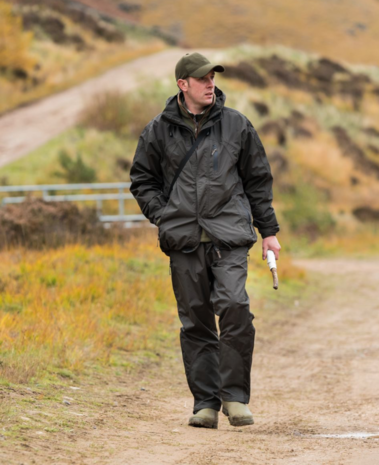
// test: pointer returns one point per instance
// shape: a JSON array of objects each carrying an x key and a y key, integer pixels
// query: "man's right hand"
[{"x": 270, "y": 243}]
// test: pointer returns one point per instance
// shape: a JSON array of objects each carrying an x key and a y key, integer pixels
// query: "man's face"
[{"x": 199, "y": 91}]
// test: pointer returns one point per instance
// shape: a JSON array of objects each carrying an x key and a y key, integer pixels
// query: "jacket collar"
[{"x": 171, "y": 113}]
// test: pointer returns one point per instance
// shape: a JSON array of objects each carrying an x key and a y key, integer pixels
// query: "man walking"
[{"x": 200, "y": 173}]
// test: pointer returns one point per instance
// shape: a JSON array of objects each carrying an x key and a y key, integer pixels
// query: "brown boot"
[
  {"x": 204, "y": 418},
  {"x": 237, "y": 413}
]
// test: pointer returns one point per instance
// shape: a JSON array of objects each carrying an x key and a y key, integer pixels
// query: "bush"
[
  {"x": 307, "y": 213},
  {"x": 37, "y": 224},
  {"x": 75, "y": 171},
  {"x": 123, "y": 114},
  {"x": 14, "y": 43}
]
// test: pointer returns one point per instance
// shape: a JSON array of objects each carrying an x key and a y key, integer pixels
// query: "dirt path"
[
  {"x": 315, "y": 373},
  {"x": 25, "y": 129}
]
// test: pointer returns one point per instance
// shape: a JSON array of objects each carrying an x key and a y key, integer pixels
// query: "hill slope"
[{"x": 340, "y": 29}]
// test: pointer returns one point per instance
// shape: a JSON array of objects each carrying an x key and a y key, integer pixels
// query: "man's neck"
[{"x": 192, "y": 108}]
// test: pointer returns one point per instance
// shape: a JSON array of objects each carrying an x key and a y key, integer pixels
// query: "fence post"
[{"x": 99, "y": 204}]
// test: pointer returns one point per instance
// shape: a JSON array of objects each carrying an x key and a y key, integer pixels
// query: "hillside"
[
  {"x": 50, "y": 45},
  {"x": 319, "y": 123},
  {"x": 340, "y": 29}
]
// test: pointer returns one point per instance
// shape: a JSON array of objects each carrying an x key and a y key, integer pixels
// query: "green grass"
[{"x": 99, "y": 150}]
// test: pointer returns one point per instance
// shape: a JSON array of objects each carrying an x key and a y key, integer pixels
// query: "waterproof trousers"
[{"x": 217, "y": 365}]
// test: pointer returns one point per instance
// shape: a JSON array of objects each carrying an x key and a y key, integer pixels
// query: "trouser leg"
[
  {"x": 237, "y": 333},
  {"x": 217, "y": 367},
  {"x": 192, "y": 282}
]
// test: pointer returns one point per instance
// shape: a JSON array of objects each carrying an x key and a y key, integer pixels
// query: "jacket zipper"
[
  {"x": 215, "y": 158},
  {"x": 217, "y": 251},
  {"x": 247, "y": 213}
]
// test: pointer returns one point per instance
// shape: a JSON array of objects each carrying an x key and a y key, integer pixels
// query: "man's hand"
[{"x": 270, "y": 243}]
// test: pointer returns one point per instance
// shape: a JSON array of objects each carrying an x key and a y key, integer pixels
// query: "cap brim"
[{"x": 205, "y": 70}]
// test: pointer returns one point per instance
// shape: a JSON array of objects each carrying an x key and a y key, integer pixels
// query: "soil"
[{"x": 315, "y": 393}]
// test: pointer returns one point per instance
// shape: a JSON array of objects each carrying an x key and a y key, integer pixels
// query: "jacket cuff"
[
  {"x": 269, "y": 229},
  {"x": 265, "y": 234}
]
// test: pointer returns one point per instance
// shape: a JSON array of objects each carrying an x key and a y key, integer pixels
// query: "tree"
[{"x": 75, "y": 171}]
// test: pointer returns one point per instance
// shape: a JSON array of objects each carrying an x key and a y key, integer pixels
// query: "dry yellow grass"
[
  {"x": 344, "y": 30},
  {"x": 67, "y": 308},
  {"x": 62, "y": 311},
  {"x": 14, "y": 42},
  {"x": 329, "y": 169}
]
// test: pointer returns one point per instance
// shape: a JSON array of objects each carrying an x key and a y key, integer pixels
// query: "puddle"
[{"x": 358, "y": 435}]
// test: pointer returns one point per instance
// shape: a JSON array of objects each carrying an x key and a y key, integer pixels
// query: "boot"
[
  {"x": 237, "y": 413},
  {"x": 204, "y": 418}
]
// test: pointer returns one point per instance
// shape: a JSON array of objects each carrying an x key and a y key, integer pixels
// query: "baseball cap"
[{"x": 195, "y": 65}]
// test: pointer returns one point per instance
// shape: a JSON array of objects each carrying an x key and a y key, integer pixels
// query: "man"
[{"x": 204, "y": 208}]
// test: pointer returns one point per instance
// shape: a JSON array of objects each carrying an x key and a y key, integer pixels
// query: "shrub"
[
  {"x": 120, "y": 113},
  {"x": 307, "y": 213},
  {"x": 75, "y": 171},
  {"x": 37, "y": 224},
  {"x": 14, "y": 42}
]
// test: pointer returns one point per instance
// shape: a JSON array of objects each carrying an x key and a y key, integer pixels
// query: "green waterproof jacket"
[{"x": 225, "y": 188}]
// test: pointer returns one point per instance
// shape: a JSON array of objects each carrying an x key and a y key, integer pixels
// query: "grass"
[
  {"x": 360, "y": 244},
  {"x": 123, "y": 114},
  {"x": 39, "y": 166},
  {"x": 63, "y": 310},
  {"x": 336, "y": 35}
]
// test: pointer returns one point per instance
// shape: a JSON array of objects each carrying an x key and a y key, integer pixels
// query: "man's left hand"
[{"x": 270, "y": 243}]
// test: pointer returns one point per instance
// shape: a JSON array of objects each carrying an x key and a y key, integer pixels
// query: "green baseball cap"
[{"x": 195, "y": 65}]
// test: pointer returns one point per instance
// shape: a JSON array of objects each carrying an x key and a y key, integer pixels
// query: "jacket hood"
[{"x": 171, "y": 112}]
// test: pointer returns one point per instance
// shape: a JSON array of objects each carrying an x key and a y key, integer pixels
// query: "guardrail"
[{"x": 49, "y": 194}]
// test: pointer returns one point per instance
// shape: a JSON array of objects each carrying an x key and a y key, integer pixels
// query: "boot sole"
[
  {"x": 238, "y": 421},
  {"x": 241, "y": 421},
  {"x": 199, "y": 423}
]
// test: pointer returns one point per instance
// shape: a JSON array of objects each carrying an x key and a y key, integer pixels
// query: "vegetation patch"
[
  {"x": 46, "y": 46},
  {"x": 38, "y": 224},
  {"x": 63, "y": 311},
  {"x": 124, "y": 114}
]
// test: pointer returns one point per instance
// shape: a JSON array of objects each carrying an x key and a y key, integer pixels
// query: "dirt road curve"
[
  {"x": 315, "y": 393},
  {"x": 27, "y": 128}
]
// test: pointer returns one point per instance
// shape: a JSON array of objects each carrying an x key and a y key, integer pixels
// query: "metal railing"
[{"x": 49, "y": 194}]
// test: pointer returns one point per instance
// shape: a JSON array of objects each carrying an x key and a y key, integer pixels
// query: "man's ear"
[{"x": 182, "y": 84}]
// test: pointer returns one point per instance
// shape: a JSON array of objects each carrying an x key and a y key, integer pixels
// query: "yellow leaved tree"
[{"x": 14, "y": 42}]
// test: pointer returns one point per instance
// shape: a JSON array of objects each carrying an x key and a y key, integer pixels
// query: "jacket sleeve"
[
  {"x": 255, "y": 172},
  {"x": 147, "y": 177}
]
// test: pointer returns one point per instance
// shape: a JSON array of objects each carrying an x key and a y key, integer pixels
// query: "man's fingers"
[
  {"x": 270, "y": 243},
  {"x": 264, "y": 252}
]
